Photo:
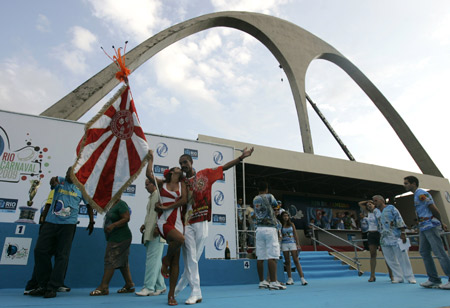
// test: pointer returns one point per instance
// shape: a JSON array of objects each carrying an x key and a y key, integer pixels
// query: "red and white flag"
[{"x": 111, "y": 153}]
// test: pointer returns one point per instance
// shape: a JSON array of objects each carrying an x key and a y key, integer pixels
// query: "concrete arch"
[{"x": 294, "y": 48}]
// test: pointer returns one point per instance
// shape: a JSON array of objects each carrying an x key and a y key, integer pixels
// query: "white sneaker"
[
  {"x": 193, "y": 300},
  {"x": 263, "y": 284},
  {"x": 290, "y": 281},
  {"x": 157, "y": 292},
  {"x": 144, "y": 292},
  {"x": 304, "y": 282},
  {"x": 445, "y": 286},
  {"x": 276, "y": 286},
  {"x": 412, "y": 281},
  {"x": 430, "y": 284},
  {"x": 397, "y": 281}
]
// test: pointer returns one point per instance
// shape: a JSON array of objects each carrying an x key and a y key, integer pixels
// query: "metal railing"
[
  {"x": 443, "y": 236},
  {"x": 355, "y": 261}
]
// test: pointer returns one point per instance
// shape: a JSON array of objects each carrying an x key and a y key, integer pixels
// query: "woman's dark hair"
[
  {"x": 168, "y": 176},
  {"x": 289, "y": 222}
]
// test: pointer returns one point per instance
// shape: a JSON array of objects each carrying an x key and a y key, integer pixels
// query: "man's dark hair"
[
  {"x": 412, "y": 179},
  {"x": 152, "y": 181},
  {"x": 189, "y": 157},
  {"x": 262, "y": 186}
]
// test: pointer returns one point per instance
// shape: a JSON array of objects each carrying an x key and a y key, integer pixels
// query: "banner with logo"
[{"x": 35, "y": 148}]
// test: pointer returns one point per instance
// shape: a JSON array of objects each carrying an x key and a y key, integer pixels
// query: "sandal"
[
  {"x": 172, "y": 301},
  {"x": 98, "y": 292},
  {"x": 372, "y": 279},
  {"x": 165, "y": 268},
  {"x": 126, "y": 290}
]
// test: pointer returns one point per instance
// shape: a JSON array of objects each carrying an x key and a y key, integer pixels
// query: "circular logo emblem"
[
  {"x": 2, "y": 145},
  {"x": 219, "y": 242},
  {"x": 59, "y": 205},
  {"x": 218, "y": 157},
  {"x": 122, "y": 125},
  {"x": 218, "y": 197},
  {"x": 162, "y": 149},
  {"x": 11, "y": 250}
]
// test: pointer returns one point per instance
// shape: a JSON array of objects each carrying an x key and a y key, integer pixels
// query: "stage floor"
[{"x": 335, "y": 292}]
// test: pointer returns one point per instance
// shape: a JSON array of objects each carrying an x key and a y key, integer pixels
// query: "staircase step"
[{"x": 320, "y": 264}]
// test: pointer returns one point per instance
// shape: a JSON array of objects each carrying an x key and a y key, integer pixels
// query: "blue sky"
[{"x": 224, "y": 83}]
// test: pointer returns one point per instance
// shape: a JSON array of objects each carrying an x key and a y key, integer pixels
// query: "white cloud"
[
  {"x": 260, "y": 6},
  {"x": 27, "y": 87},
  {"x": 136, "y": 18},
  {"x": 441, "y": 31},
  {"x": 74, "y": 60},
  {"x": 83, "y": 39},
  {"x": 43, "y": 23}
]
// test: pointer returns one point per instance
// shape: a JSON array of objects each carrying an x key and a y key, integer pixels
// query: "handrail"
[
  {"x": 339, "y": 238},
  {"x": 338, "y": 252},
  {"x": 355, "y": 261}
]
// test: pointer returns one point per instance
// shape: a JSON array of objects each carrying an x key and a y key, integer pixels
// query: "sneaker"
[
  {"x": 445, "y": 286},
  {"x": 157, "y": 292},
  {"x": 276, "y": 286},
  {"x": 28, "y": 290},
  {"x": 430, "y": 284},
  {"x": 397, "y": 281},
  {"x": 290, "y": 281},
  {"x": 64, "y": 288},
  {"x": 144, "y": 292},
  {"x": 304, "y": 282},
  {"x": 263, "y": 284},
  {"x": 412, "y": 281},
  {"x": 50, "y": 294},
  {"x": 37, "y": 292}
]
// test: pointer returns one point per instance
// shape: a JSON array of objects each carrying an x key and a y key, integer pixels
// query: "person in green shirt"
[{"x": 118, "y": 237}]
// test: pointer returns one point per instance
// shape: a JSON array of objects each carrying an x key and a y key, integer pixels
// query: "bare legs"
[
  {"x": 108, "y": 274},
  {"x": 171, "y": 261},
  {"x": 373, "y": 261},
  {"x": 287, "y": 258},
  {"x": 272, "y": 269}
]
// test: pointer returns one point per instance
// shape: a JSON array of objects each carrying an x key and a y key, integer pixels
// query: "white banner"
[{"x": 35, "y": 148}]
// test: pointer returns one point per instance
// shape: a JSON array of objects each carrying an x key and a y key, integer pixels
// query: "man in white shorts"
[{"x": 267, "y": 245}]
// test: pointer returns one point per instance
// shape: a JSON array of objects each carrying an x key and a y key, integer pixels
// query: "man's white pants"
[
  {"x": 194, "y": 241},
  {"x": 399, "y": 263}
]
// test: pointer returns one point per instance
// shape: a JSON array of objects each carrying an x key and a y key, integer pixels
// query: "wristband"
[{"x": 240, "y": 158}]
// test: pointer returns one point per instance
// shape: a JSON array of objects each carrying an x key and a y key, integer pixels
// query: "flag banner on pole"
[{"x": 111, "y": 153}]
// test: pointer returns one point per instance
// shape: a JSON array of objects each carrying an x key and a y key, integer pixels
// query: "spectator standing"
[
  {"x": 56, "y": 235},
  {"x": 290, "y": 246},
  {"x": 392, "y": 228},
  {"x": 118, "y": 237},
  {"x": 154, "y": 245},
  {"x": 430, "y": 224},
  {"x": 267, "y": 246}
]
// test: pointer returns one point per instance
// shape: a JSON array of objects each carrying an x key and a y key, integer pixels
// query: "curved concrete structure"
[{"x": 291, "y": 45}]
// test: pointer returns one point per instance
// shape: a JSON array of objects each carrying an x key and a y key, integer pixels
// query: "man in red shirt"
[{"x": 197, "y": 217}]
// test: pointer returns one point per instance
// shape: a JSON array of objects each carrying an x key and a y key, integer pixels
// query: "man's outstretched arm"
[{"x": 245, "y": 153}]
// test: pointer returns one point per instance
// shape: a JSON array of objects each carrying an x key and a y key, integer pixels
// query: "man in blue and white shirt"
[
  {"x": 430, "y": 225},
  {"x": 267, "y": 245},
  {"x": 57, "y": 234},
  {"x": 392, "y": 229}
]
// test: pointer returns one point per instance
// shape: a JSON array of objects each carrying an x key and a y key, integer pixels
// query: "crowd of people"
[{"x": 178, "y": 212}]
